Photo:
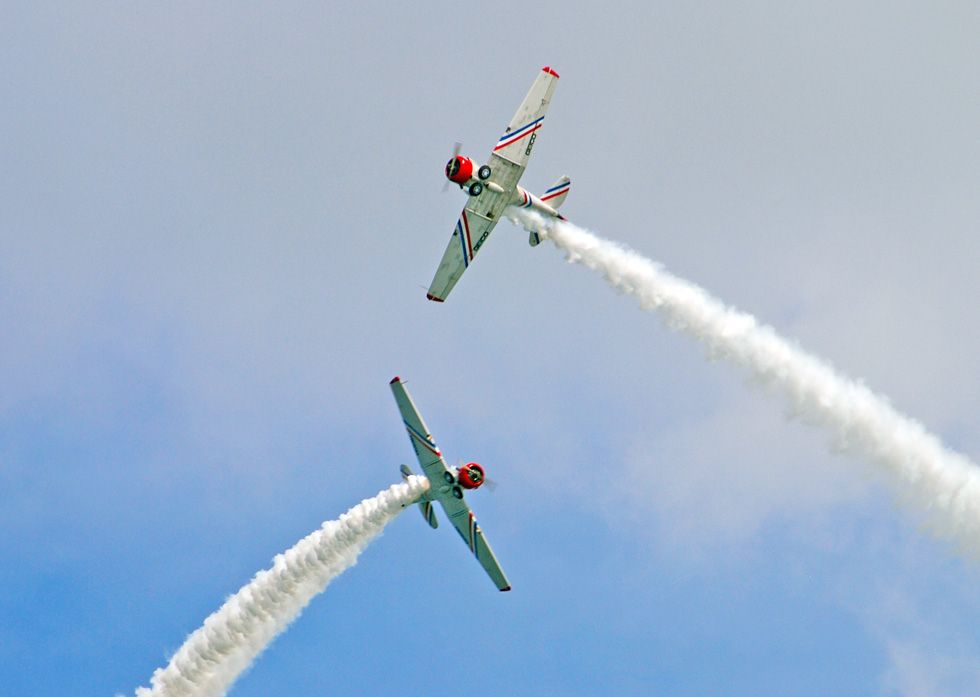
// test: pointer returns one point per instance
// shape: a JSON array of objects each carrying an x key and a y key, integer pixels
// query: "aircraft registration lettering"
[
  {"x": 479, "y": 242},
  {"x": 530, "y": 144}
]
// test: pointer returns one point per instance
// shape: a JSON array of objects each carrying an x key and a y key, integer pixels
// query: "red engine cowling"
[
  {"x": 459, "y": 169},
  {"x": 471, "y": 476}
]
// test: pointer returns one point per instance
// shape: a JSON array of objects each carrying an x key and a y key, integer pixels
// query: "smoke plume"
[
  {"x": 943, "y": 484},
  {"x": 215, "y": 655}
]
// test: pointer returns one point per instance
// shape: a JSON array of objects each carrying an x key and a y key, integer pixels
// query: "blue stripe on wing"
[{"x": 519, "y": 131}]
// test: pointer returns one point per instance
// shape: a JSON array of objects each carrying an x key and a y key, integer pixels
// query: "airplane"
[
  {"x": 493, "y": 187},
  {"x": 446, "y": 485}
]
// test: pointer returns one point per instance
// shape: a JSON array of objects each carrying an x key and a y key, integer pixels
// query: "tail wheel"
[
  {"x": 484, "y": 172},
  {"x": 476, "y": 188},
  {"x": 457, "y": 492}
]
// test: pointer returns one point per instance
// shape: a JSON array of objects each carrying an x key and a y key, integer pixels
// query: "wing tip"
[
  {"x": 548, "y": 70},
  {"x": 505, "y": 589},
  {"x": 394, "y": 380},
  {"x": 433, "y": 298}
]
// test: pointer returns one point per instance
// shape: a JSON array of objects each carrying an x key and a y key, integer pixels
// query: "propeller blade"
[
  {"x": 457, "y": 146},
  {"x": 490, "y": 484}
]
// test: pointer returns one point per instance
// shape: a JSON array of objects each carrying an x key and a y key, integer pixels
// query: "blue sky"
[{"x": 216, "y": 228}]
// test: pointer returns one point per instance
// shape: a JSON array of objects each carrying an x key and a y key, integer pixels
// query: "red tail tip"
[{"x": 548, "y": 70}]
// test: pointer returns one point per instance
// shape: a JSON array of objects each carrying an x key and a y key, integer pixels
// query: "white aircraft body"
[
  {"x": 446, "y": 485},
  {"x": 493, "y": 187}
]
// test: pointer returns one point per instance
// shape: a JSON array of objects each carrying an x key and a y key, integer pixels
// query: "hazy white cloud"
[
  {"x": 930, "y": 648},
  {"x": 719, "y": 479},
  {"x": 926, "y": 670},
  {"x": 217, "y": 224}
]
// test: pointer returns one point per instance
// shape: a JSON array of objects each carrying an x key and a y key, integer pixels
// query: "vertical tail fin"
[{"x": 555, "y": 196}]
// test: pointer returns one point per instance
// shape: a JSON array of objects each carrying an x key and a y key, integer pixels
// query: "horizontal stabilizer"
[
  {"x": 429, "y": 513},
  {"x": 425, "y": 506}
]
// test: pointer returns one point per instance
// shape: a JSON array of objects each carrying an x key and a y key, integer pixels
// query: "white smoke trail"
[
  {"x": 944, "y": 484},
  {"x": 215, "y": 655}
]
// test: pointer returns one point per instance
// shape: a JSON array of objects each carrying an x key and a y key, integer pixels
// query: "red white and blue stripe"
[
  {"x": 425, "y": 440},
  {"x": 528, "y": 200},
  {"x": 557, "y": 190},
  {"x": 463, "y": 229},
  {"x": 514, "y": 136},
  {"x": 427, "y": 511}
]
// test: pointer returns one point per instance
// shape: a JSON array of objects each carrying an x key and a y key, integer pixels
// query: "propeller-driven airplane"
[
  {"x": 493, "y": 187},
  {"x": 446, "y": 485}
]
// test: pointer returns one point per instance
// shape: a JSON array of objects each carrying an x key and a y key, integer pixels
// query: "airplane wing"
[
  {"x": 513, "y": 150},
  {"x": 428, "y": 453},
  {"x": 472, "y": 230},
  {"x": 464, "y": 521}
]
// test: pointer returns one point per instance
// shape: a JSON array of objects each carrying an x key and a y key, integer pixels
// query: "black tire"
[
  {"x": 484, "y": 172},
  {"x": 448, "y": 476},
  {"x": 457, "y": 492},
  {"x": 476, "y": 188}
]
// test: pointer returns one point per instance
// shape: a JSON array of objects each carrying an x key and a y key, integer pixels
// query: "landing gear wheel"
[
  {"x": 484, "y": 172},
  {"x": 476, "y": 188},
  {"x": 448, "y": 477},
  {"x": 457, "y": 492}
]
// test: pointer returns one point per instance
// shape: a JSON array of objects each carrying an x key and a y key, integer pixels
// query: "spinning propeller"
[
  {"x": 456, "y": 148},
  {"x": 490, "y": 484}
]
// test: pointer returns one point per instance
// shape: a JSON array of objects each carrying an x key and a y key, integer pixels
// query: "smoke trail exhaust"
[
  {"x": 215, "y": 655},
  {"x": 943, "y": 484}
]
